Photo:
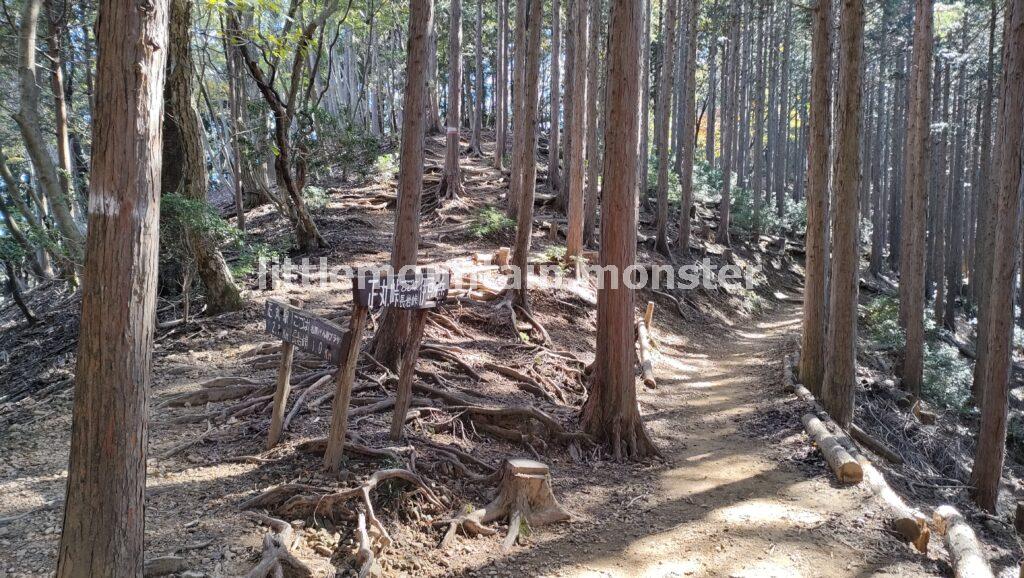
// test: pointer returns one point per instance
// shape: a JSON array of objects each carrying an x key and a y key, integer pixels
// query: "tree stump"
[{"x": 524, "y": 496}]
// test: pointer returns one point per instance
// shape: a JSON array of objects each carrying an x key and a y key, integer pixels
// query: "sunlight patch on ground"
[{"x": 763, "y": 512}]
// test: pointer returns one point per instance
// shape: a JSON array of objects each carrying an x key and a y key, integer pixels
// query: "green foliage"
[
  {"x": 947, "y": 376},
  {"x": 10, "y": 251},
  {"x": 881, "y": 321},
  {"x": 386, "y": 166},
  {"x": 489, "y": 222},
  {"x": 707, "y": 181},
  {"x": 340, "y": 146},
  {"x": 316, "y": 197},
  {"x": 674, "y": 187}
]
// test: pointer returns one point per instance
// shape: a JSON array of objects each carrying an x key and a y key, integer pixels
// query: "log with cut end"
[
  {"x": 968, "y": 560},
  {"x": 847, "y": 470},
  {"x": 524, "y": 496},
  {"x": 904, "y": 520},
  {"x": 646, "y": 364}
]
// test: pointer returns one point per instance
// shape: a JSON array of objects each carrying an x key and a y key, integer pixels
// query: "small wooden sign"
[
  {"x": 424, "y": 289},
  {"x": 305, "y": 331}
]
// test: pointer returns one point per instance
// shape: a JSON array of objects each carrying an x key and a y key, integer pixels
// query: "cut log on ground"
[
  {"x": 646, "y": 364},
  {"x": 874, "y": 445},
  {"x": 968, "y": 559},
  {"x": 847, "y": 470},
  {"x": 524, "y": 496}
]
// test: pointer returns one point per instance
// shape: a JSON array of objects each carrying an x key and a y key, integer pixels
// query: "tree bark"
[
  {"x": 554, "y": 154},
  {"x": 577, "y": 129},
  {"x": 533, "y": 21},
  {"x": 661, "y": 124},
  {"x": 27, "y": 119},
  {"x": 1005, "y": 199},
  {"x": 184, "y": 162},
  {"x": 812, "y": 356},
  {"x": 105, "y": 502},
  {"x": 450, "y": 188},
  {"x": 393, "y": 335},
  {"x": 688, "y": 127},
  {"x": 912, "y": 252},
  {"x": 595, "y": 92},
  {"x": 478, "y": 77},
  {"x": 730, "y": 96},
  {"x": 501, "y": 87},
  {"x": 840, "y": 382},
  {"x": 610, "y": 412}
]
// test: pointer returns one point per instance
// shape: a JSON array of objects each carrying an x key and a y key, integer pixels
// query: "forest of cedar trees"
[{"x": 512, "y": 288}]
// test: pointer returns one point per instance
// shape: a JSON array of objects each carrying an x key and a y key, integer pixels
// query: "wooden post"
[
  {"x": 407, "y": 371},
  {"x": 284, "y": 376},
  {"x": 343, "y": 389},
  {"x": 649, "y": 315}
]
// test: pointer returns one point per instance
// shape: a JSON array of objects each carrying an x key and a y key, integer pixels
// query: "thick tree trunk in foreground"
[
  {"x": 104, "y": 507},
  {"x": 839, "y": 385},
  {"x": 451, "y": 182},
  {"x": 184, "y": 168},
  {"x": 393, "y": 334},
  {"x": 688, "y": 127},
  {"x": 912, "y": 251},
  {"x": 577, "y": 129},
  {"x": 661, "y": 126},
  {"x": 610, "y": 412},
  {"x": 812, "y": 354},
  {"x": 988, "y": 461}
]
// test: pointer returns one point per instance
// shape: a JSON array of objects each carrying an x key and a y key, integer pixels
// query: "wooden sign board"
[
  {"x": 305, "y": 331},
  {"x": 426, "y": 289}
]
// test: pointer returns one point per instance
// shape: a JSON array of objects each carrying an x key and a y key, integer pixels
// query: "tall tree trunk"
[
  {"x": 840, "y": 382},
  {"x": 527, "y": 145},
  {"x": 757, "y": 110},
  {"x": 1005, "y": 199},
  {"x": 730, "y": 98},
  {"x": 478, "y": 77},
  {"x": 661, "y": 125},
  {"x": 60, "y": 121},
  {"x": 392, "y": 337},
  {"x": 515, "y": 188},
  {"x": 501, "y": 87},
  {"x": 554, "y": 154},
  {"x": 434, "y": 124},
  {"x": 912, "y": 253},
  {"x": 984, "y": 246},
  {"x": 450, "y": 188},
  {"x": 782, "y": 130},
  {"x": 27, "y": 118},
  {"x": 897, "y": 144},
  {"x": 595, "y": 89},
  {"x": 577, "y": 128},
  {"x": 104, "y": 510},
  {"x": 688, "y": 126},
  {"x": 712, "y": 106},
  {"x": 184, "y": 163},
  {"x": 610, "y": 412},
  {"x": 812, "y": 356}
]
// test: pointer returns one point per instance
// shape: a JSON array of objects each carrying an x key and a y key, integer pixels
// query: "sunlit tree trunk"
[
  {"x": 450, "y": 188},
  {"x": 812, "y": 354},
  {"x": 912, "y": 253},
  {"x": 661, "y": 123},
  {"x": 577, "y": 128},
  {"x": 688, "y": 126},
  {"x": 104, "y": 510},
  {"x": 1005, "y": 199},
  {"x": 610, "y": 412}
]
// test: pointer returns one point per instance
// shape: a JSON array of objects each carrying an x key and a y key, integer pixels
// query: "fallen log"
[
  {"x": 847, "y": 470},
  {"x": 968, "y": 559},
  {"x": 646, "y": 364}
]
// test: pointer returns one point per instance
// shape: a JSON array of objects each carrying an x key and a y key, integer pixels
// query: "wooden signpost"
[
  {"x": 306, "y": 332},
  {"x": 427, "y": 289}
]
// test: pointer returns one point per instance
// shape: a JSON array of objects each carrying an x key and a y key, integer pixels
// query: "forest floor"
[{"x": 740, "y": 491}]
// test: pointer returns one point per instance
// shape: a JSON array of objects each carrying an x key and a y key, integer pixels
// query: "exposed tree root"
[
  {"x": 524, "y": 497},
  {"x": 278, "y": 558}
]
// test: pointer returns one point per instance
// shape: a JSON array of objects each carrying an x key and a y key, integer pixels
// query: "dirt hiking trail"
[{"x": 732, "y": 499}]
